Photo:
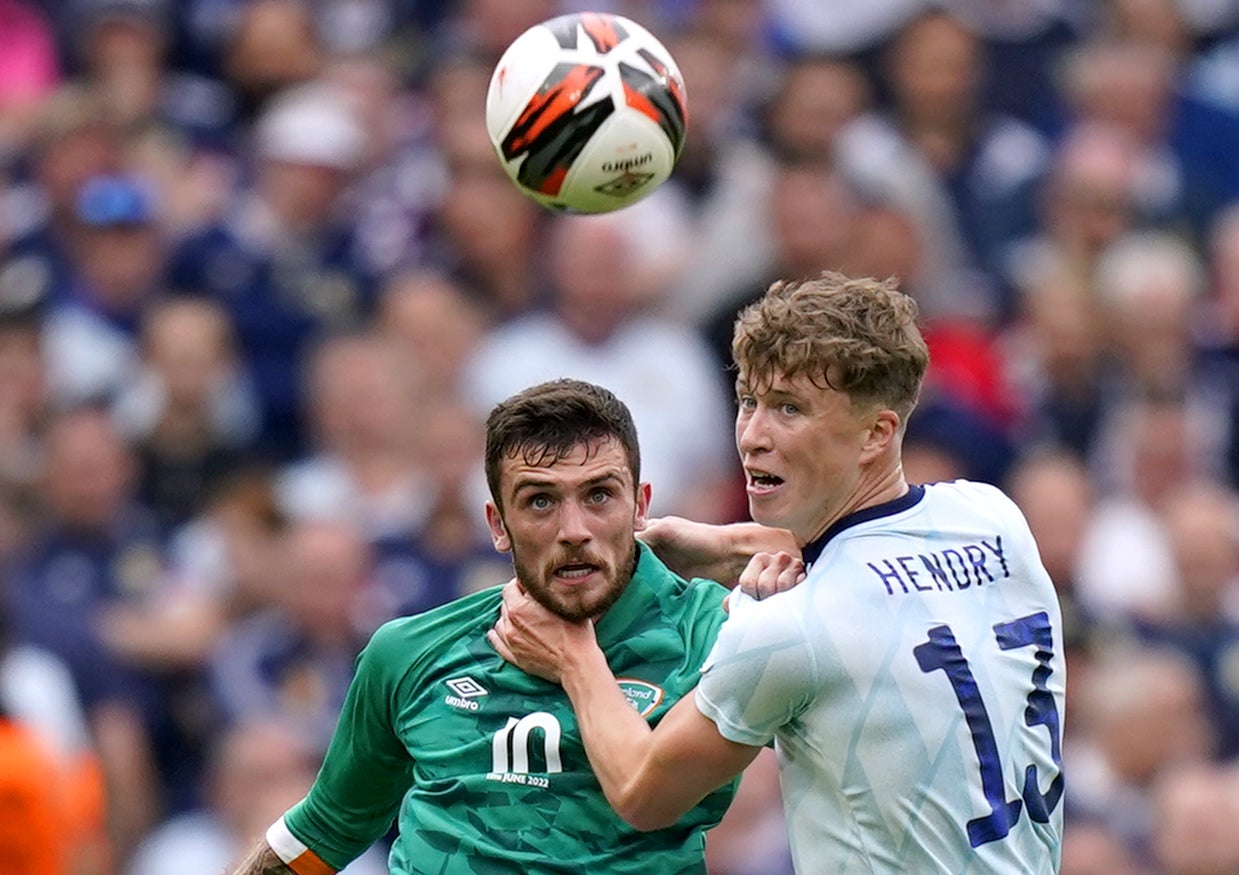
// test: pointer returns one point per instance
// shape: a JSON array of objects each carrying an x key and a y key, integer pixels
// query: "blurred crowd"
[{"x": 262, "y": 277}]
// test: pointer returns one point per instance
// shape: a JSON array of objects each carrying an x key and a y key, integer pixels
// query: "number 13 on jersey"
[{"x": 942, "y": 653}]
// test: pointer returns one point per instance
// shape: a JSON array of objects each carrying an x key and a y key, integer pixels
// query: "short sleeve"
[
  {"x": 762, "y": 672},
  {"x": 366, "y": 771}
]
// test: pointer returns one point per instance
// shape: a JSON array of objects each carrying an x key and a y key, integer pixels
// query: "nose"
[
  {"x": 751, "y": 432},
  {"x": 573, "y": 524}
]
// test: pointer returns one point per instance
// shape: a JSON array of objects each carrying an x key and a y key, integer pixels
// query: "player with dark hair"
[{"x": 482, "y": 762}]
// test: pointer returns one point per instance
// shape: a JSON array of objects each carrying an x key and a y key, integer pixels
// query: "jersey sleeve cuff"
[
  {"x": 294, "y": 852},
  {"x": 726, "y": 728}
]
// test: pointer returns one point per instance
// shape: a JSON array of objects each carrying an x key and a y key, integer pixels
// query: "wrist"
[{"x": 583, "y": 668}]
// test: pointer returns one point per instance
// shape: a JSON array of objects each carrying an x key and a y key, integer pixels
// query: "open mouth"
[
  {"x": 763, "y": 480},
  {"x": 575, "y": 571}
]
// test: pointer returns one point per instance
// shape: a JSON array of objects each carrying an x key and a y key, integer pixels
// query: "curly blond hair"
[{"x": 858, "y": 336}]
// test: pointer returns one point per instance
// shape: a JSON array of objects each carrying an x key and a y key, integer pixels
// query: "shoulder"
[
  {"x": 970, "y": 496},
  {"x": 672, "y": 589},
  {"x": 408, "y": 640}
]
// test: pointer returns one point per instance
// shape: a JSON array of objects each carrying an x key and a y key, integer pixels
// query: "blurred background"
[{"x": 261, "y": 278}]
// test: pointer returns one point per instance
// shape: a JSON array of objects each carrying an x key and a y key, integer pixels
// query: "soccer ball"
[{"x": 587, "y": 112}]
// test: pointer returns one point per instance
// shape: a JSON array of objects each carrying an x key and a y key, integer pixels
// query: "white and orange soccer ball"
[{"x": 587, "y": 112}]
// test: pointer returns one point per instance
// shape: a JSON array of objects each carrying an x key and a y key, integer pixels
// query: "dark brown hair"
[{"x": 545, "y": 423}]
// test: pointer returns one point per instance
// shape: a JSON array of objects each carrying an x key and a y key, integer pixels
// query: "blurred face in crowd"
[
  {"x": 813, "y": 215},
  {"x": 79, "y": 150},
  {"x": 1194, "y": 823},
  {"x": 935, "y": 69},
  {"x": 434, "y": 324},
  {"x": 1124, "y": 84},
  {"x": 273, "y": 45},
  {"x": 1146, "y": 712},
  {"x": 596, "y": 288},
  {"x": 1202, "y": 522},
  {"x": 188, "y": 344},
  {"x": 569, "y": 526},
  {"x": 1090, "y": 196},
  {"x": 121, "y": 264},
  {"x": 817, "y": 98},
  {"x": 304, "y": 196},
  {"x": 1056, "y": 497},
  {"x": 254, "y": 763},
  {"x": 495, "y": 24},
  {"x": 362, "y": 399},
  {"x": 22, "y": 378},
  {"x": 87, "y": 471},
  {"x": 324, "y": 566}
]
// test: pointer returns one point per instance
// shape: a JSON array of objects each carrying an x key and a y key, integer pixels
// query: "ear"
[
  {"x": 498, "y": 531},
  {"x": 643, "y": 505},
  {"x": 881, "y": 435}
]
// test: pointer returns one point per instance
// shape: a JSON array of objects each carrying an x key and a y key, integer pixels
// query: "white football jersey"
[{"x": 914, "y": 689}]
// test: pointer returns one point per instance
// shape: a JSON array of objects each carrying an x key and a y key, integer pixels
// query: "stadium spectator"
[
  {"x": 187, "y": 409},
  {"x": 1201, "y": 524},
  {"x": 74, "y": 142},
  {"x": 55, "y": 804},
  {"x": 284, "y": 262},
  {"x": 255, "y": 770},
  {"x": 29, "y": 75},
  {"x": 1144, "y": 715},
  {"x": 293, "y": 659},
  {"x": 1194, "y": 815},
  {"x": 94, "y": 548},
  {"x": 961, "y": 172},
  {"x": 433, "y": 323},
  {"x": 817, "y": 219},
  {"x": 484, "y": 233},
  {"x": 450, "y": 554},
  {"x": 366, "y": 467},
  {"x": 1187, "y": 169},
  {"x": 115, "y": 266},
  {"x": 269, "y": 46}
]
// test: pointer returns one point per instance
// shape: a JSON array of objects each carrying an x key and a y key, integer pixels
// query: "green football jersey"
[{"x": 485, "y": 764}]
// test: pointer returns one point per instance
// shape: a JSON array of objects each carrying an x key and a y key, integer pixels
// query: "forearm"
[
  {"x": 262, "y": 861},
  {"x": 716, "y": 552},
  {"x": 620, "y": 746}
]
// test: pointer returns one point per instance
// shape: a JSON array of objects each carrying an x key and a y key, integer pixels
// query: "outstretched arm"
[{"x": 650, "y": 777}]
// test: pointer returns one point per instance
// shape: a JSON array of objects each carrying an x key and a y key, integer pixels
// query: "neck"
[{"x": 887, "y": 486}]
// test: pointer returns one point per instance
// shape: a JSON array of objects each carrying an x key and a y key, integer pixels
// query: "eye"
[
  {"x": 746, "y": 402},
  {"x": 789, "y": 409},
  {"x": 540, "y": 501},
  {"x": 599, "y": 494}
]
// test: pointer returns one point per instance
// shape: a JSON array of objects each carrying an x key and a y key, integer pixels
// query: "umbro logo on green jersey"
[
  {"x": 466, "y": 690},
  {"x": 642, "y": 695}
]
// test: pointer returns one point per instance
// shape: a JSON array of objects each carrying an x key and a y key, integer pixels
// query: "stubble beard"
[{"x": 537, "y": 583}]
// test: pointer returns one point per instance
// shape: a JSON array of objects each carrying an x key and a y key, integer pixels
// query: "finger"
[
  {"x": 751, "y": 575},
  {"x": 784, "y": 573},
  {"x": 768, "y": 580},
  {"x": 791, "y": 576},
  {"x": 727, "y": 603}
]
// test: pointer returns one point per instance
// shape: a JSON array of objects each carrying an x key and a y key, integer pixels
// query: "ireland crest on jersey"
[{"x": 642, "y": 695}]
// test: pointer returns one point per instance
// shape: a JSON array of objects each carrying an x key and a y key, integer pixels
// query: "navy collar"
[{"x": 814, "y": 548}]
